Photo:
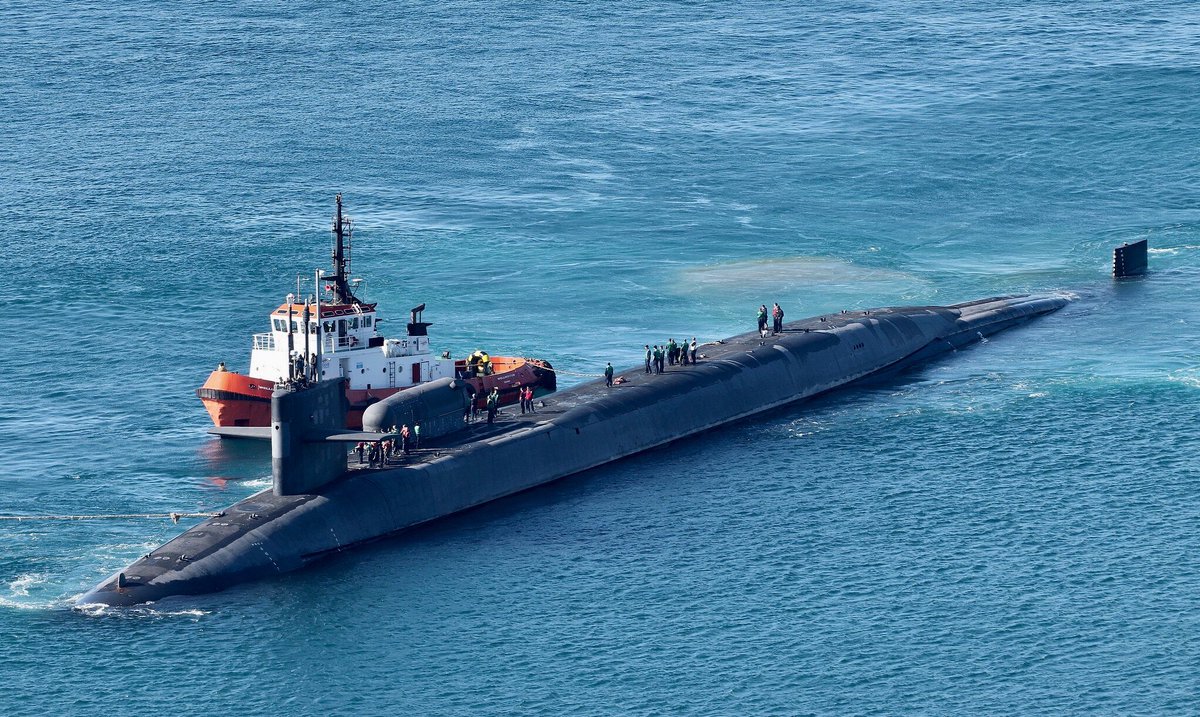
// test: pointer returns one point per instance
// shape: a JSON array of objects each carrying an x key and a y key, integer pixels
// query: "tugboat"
[{"x": 312, "y": 339}]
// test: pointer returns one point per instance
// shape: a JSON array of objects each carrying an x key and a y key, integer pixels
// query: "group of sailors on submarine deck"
[
  {"x": 382, "y": 452},
  {"x": 669, "y": 354},
  {"x": 776, "y": 320}
]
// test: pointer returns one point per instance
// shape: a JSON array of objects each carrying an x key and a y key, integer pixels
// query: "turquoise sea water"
[{"x": 1011, "y": 530}]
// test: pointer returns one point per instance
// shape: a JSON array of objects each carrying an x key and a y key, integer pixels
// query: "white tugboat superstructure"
[{"x": 334, "y": 335}]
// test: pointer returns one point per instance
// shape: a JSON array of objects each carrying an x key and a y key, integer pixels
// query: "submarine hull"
[{"x": 584, "y": 427}]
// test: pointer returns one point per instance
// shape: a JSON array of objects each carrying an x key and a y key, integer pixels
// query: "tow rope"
[
  {"x": 576, "y": 373},
  {"x": 173, "y": 516}
]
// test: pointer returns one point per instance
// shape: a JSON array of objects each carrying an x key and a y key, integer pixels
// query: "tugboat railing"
[{"x": 334, "y": 344}]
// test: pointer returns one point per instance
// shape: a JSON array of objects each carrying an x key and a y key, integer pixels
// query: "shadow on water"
[{"x": 235, "y": 460}]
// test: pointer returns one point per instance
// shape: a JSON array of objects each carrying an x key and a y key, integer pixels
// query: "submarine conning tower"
[
  {"x": 304, "y": 419},
  {"x": 319, "y": 506}
]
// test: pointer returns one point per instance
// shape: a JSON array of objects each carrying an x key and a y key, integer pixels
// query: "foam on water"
[
  {"x": 1189, "y": 377},
  {"x": 1172, "y": 250},
  {"x": 18, "y": 592}
]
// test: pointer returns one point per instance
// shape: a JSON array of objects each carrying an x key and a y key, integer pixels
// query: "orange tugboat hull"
[
  {"x": 233, "y": 399},
  {"x": 236, "y": 400}
]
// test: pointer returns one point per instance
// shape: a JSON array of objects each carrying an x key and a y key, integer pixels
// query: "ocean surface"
[{"x": 1014, "y": 529}]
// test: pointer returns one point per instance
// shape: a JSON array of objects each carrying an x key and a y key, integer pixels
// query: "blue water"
[{"x": 1012, "y": 530}]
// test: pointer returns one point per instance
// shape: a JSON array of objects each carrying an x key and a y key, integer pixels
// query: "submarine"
[{"x": 324, "y": 501}]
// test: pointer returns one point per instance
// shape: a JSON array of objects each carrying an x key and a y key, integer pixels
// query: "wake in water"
[
  {"x": 1173, "y": 250},
  {"x": 19, "y": 597},
  {"x": 139, "y": 612},
  {"x": 1187, "y": 376},
  {"x": 18, "y": 591}
]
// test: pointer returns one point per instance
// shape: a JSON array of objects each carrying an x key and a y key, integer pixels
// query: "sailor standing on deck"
[
  {"x": 404, "y": 434},
  {"x": 693, "y": 348},
  {"x": 529, "y": 398},
  {"x": 777, "y": 314},
  {"x": 608, "y": 374},
  {"x": 649, "y": 355},
  {"x": 762, "y": 318},
  {"x": 493, "y": 401}
]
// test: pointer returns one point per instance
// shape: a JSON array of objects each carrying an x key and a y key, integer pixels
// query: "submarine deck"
[
  {"x": 508, "y": 420},
  {"x": 240, "y": 522}
]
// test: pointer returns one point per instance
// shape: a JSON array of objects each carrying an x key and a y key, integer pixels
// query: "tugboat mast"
[{"x": 342, "y": 234}]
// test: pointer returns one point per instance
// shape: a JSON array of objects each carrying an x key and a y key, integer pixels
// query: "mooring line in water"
[
  {"x": 576, "y": 373},
  {"x": 175, "y": 517}
]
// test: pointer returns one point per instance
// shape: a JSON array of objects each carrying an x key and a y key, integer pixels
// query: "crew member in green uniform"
[
  {"x": 493, "y": 402},
  {"x": 608, "y": 374}
]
